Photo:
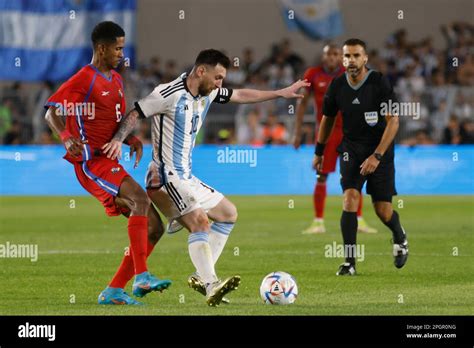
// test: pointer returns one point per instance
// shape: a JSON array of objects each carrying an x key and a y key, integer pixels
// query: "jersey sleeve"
[
  {"x": 73, "y": 90},
  {"x": 221, "y": 95},
  {"x": 330, "y": 107},
  {"x": 153, "y": 104}
]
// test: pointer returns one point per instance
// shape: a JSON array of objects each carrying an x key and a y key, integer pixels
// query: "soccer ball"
[{"x": 279, "y": 288}]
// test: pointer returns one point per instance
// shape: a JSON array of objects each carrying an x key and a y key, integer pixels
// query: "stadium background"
[{"x": 163, "y": 38}]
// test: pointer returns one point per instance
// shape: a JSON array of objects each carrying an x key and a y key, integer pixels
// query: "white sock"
[
  {"x": 218, "y": 236},
  {"x": 201, "y": 256},
  {"x": 318, "y": 220}
]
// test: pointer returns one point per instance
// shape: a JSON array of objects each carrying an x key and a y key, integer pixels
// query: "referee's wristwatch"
[{"x": 378, "y": 156}]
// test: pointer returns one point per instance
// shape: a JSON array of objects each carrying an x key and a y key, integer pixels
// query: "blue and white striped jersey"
[{"x": 177, "y": 118}]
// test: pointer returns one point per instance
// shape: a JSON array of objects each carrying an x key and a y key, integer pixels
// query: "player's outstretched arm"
[
  {"x": 371, "y": 163},
  {"x": 245, "y": 96},
  {"x": 113, "y": 149},
  {"x": 325, "y": 129},
  {"x": 55, "y": 122}
]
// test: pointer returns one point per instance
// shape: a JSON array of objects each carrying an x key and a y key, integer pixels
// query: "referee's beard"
[{"x": 355, "y": 71}]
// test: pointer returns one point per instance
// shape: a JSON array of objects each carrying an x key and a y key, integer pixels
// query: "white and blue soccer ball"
[{"x": 279, "y": 288}]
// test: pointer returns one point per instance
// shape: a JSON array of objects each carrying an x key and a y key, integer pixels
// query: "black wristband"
[
  {"x": 319, "y": 150},
  {"x": 378, "y": 156}
]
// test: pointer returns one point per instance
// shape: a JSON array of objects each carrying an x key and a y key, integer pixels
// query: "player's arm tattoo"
[{"x": 127, "y": 125}]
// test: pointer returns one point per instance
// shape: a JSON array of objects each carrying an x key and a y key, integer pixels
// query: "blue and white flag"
[
  {"x": 51, "y": 39},
  {"x": 318, "y": 19}
]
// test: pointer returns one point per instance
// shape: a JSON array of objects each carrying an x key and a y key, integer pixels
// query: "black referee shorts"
[{"x": 380, "y": 184}]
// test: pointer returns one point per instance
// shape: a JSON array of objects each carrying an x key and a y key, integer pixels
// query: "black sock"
[
  {"x": 397, "y": 230},
  {"x": 349, "y": 235}
]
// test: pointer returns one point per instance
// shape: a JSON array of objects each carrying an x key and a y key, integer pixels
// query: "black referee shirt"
[{"x": 360, "y": 106}]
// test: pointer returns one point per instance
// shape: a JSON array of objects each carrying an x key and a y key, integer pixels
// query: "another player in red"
[
  {"x": 92, "y": 102},
  {"x": 320, "y": 78}
]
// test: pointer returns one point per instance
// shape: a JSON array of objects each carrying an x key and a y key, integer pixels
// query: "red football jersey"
[
  {"x": 94, "y": 105},
  {"x": 320, "y": 80}
]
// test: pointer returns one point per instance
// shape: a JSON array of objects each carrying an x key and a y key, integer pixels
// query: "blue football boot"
[
  {"x": 146, "y": 282},
  {"x": 116, "y": 296}
]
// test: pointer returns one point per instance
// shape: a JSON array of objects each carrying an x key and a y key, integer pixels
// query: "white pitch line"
[{"x": 288, "y": 252}]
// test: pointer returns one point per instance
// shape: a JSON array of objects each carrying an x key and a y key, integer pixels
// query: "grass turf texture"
[{"x": 80, "y": 249}]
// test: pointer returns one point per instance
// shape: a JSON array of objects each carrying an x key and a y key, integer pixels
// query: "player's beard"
[{"x": 203, "y": 90}]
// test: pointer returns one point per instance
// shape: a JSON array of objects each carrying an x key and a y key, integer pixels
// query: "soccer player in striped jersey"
[
  {"x": 93, "y": 103},
  {"x": 178, "y": 110}
]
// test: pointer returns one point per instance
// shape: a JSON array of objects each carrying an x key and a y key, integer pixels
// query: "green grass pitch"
[{"x": 80, "y": 249}]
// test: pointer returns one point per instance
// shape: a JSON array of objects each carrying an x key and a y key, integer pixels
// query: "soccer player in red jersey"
[
  {"x": 320, "y": 77},
  {"x": 93, "y": 103}
]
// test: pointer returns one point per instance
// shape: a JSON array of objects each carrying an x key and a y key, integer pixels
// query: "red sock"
[
  {"x": 138, "y": 234},
  {"x": 319, "y": 199},
  {"x": 359, "y": 209},
  {"x": 126, "y": 270}
]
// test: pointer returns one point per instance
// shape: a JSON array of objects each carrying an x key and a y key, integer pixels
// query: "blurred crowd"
[{"x": 441, "y": 80}]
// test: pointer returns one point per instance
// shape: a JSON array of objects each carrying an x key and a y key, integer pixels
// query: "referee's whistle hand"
[{"x": 369, "y": 165}]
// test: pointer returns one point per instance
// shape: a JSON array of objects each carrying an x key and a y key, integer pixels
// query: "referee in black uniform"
[{"x": 366, "y": 151}]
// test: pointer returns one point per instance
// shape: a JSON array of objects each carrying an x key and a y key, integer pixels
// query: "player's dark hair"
[
  {"x": 106, "y": 32},
  {"x": 355, "y": 42},
  {"x": 212, "y": 57}
]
